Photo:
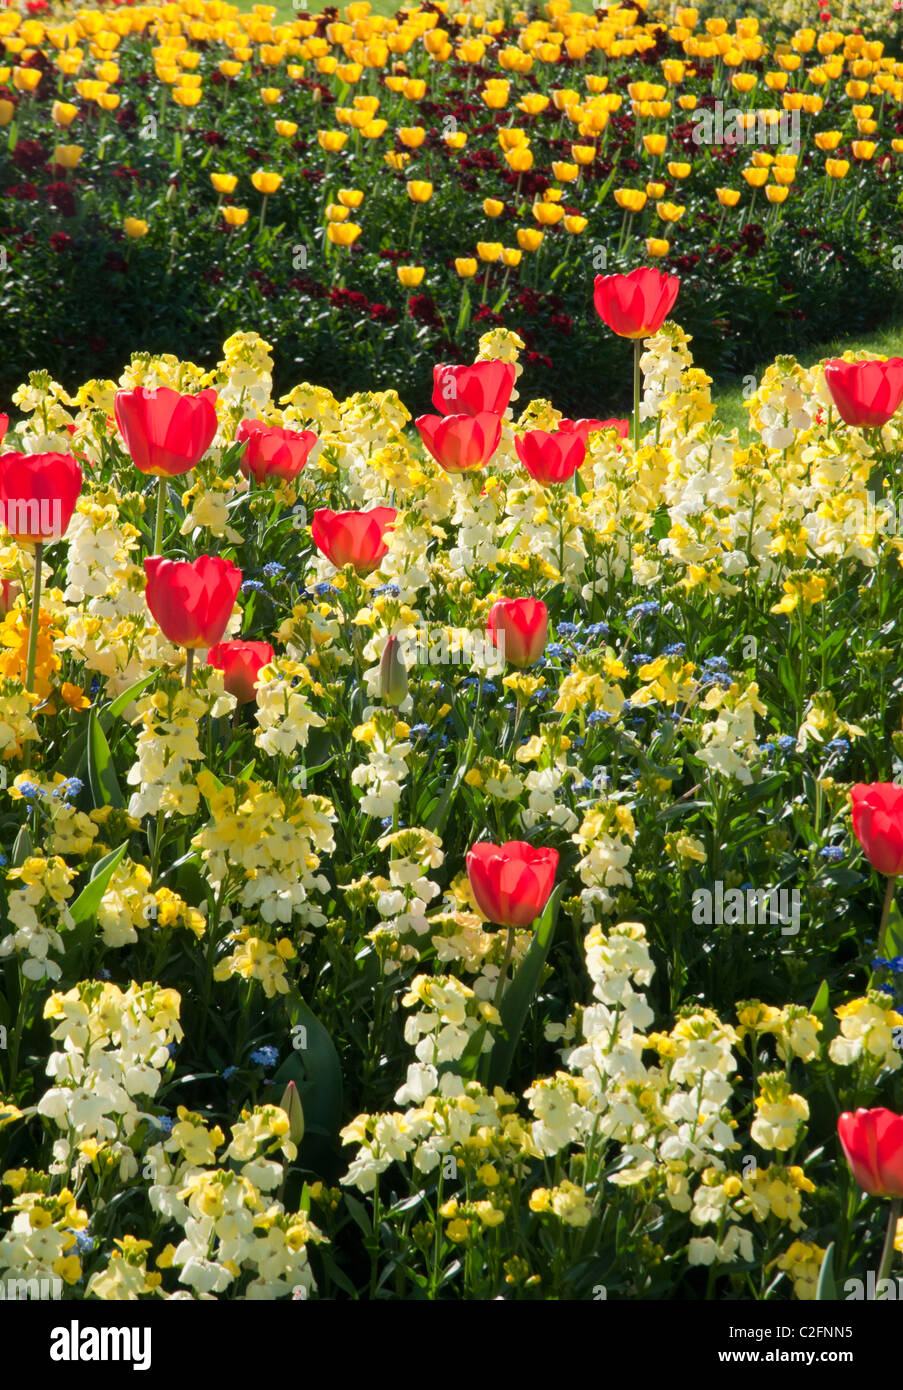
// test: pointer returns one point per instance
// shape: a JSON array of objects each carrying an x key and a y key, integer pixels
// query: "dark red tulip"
[
  {"x": 635, "y": 305},
  {"x": 271, "y": 452},
  {"x": 459, "y": 442},
  {"x": 519, "y": 627},
  {"x": 4, "y": 426},
  {"x": 476, "y": 390},
  {"x": 512, "y": 882},
  {"x": 878, "y": 824},
  {"x": 240, "y": 663},
  {"x": 873, "y": 1144},
  {"x": 353, "y": 538},
  {"x": 166, "y": 432},
  {"x": 38, "y": 493},
  {"x": 191, "y": 601},
  {"x": 866, "y": 394},
  {"x": 551, "y": 457}
]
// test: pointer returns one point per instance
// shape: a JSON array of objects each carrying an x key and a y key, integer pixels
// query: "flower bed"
[
  {"x": 375, "y": 193},
  {"x": 450, "y": 845}
]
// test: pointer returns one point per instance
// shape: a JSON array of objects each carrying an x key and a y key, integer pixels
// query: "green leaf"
[
  {"x": 518, "y": 997},
  {"x": 22, "y": 848},
  {"x": 122, "y": 702},
  {"x": 827, "y": 1288},
  {"x": 822, "y": 1000},
  {"x": 101, "y": 771},
  {"x": 440, "y": 815},
  {"x": 85, "y": 907},
  {"x": 314, "y": 1067},
  {"x": 358, "y": 1213}
]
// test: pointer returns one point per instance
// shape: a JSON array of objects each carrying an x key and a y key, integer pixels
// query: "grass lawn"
[{"x": 887, "y": 342}]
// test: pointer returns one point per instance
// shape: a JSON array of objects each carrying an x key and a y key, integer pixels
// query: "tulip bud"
[
  {"x": 393, "y": 674},
  {"x": 291, "y": 1104}
]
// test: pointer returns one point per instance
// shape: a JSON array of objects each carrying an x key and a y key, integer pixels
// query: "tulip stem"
[
  {"x": 189, "y": 666},
  {"x": 887, "y": 1254},
  {"x": 506, "y": 961},
  {"x": 161, "y": 515},
  {"x": 637, "y": 350},
  {"x": 886, "y": 907},
  {"x": 35, "y": 617}
]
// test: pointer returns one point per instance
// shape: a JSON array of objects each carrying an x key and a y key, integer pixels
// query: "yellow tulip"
[
  {"x": 343, "y": 233},
  {"x": 547, "y": 214},
  {"x": 265, "y": 181},
  {"x": 108, "y": 101},
  {"x": 135, "y": 228},
  {"x": 350, "y": 197},
  {"x": 62, "y": 113},
  {"x": 520, "y": 159},
  {"x": 728, "y": 197},
  {"x": 533, "y": 105},
  {"x": 679, "y": 170},
  {"x": 331, "y": 140},
  {"x": 285, "y": 128},
  {"x": 419, "y": 190},
  {"x": 670, "y": 212},
  {"x": 455, "y": 139},
  {"x": 412, "y": 136},
  {"x": 756, "y": 178},
  {"x": 493, "y": 207},
  {"x": 67, "y": 156},
  {"x": 224, "y": 183},
  {"x": 228, "y": 68},
  {"x": 863, "y": 149},
  {"x": 336, "y": 213},
  {"x": 828, "y": 139},
  {"x": 687, "y": 102},
  {"x": 410, "y": 275},
  {"x": 529, "y": 239},
  {"x": 235, "y": 217},
  {"x": 414, "y": 88},
  {"x": 565, "y": 173},
  {"x": 575, "y": 224},
  {"x": 182, "y": 96},
  {"x": 374, "y": 129},
  {"x": 583, "y": 154},
  {"x": 837, "y": 168},
  {"x": 630, "y": 199},
  {"x": 489, "y": 250},
  {"x": 776, "y": 193},
  {"x": 397, "y": 159},
  {"x": 655, "y": 143},
  {"x": 465, "y": 266},
  {"x": 511, "y": 138},
  {"x": 26, "y": 79},
  {"x": 511, "y": 256},
  {"x": 655, "y": 191}
]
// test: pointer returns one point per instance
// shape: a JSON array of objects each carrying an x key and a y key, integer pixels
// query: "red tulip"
[
  {"x": 635, "y": 305},
  {"x": 38, "y": 493},
  {"x": 873, "y": 1143},
  {"x": 353, "y": 538},
  {"x": 588, "y": 427},
  {"x": 551, "y": 457},
  {"x": 191, "y": 601},
  {"x": 4, "y": 426},
  {"x": 865, "y": 393},
  {"x": 166, "y": 432},
  {"x": 486, "y": 386},
  {"x": 272, "y": 452},
  {"x": 878, "y": 824},
  {"x": 459, "y": 442},
  {"x": 513, "y": 882},
  {"x": 519, "y": 627},
  {"x": 240, "y": 663}
]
